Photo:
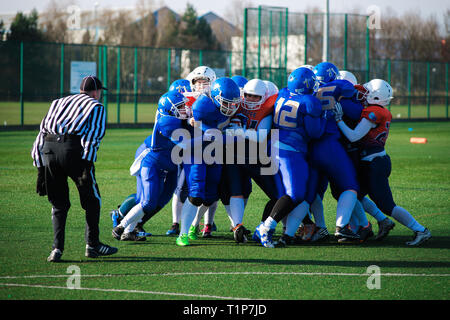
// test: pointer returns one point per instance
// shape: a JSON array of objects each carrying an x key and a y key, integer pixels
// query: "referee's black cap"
[{"x": 90, "y": 83}]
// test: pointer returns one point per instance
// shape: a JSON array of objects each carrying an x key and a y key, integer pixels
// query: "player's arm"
[
  {"x": 360, "y": 130},
  {"x": 313, "y": 121}
]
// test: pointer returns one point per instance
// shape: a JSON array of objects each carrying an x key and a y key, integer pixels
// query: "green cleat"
[
  {"x": 193, "y": 233},
  {"x": 183, "y": 240}
]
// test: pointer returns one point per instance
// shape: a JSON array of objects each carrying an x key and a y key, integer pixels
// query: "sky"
[{"x": 425, "y": 7}]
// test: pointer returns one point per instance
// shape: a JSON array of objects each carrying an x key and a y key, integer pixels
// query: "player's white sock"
[
  {"x": 209, "y": 215},
  {"x": 270, "y": 223},
  {"x": 371, "y": 208},
  {"x": 295, "y": 217},
  {"x": 187, "y": 216},
  {"x": 317, "y": 211},
  {"x": 177, "y": 207},
  {"x": 199, "y": 215},
  {"x": 405, "y": 218},
  {"x": 237, "y": 206},
  {"x": 132, "y": 218},
  {"x": 345, "y": 206}
]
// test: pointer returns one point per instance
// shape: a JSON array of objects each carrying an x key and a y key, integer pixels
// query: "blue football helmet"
[
  {"x": 173, "y": 103},
  {"x": 240, "y": 81},
  {"x": 226, "y": 95},
  {"x": 326, "y": 72},
  {"x": 302, "y": 81},
  {"x": 181, "y": 85}
]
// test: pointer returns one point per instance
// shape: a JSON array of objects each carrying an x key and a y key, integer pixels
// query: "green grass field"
[
  {"x": 218, "y": 268},
  {"x": 35, "y": 111}
]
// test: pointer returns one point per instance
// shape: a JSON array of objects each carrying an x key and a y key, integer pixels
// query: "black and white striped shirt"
[{"x": 79, "y": 115}]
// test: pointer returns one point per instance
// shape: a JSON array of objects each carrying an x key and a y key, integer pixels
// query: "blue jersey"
[
  {"x": 330, "y": 93},
  {"x": 208, "y": 113},
  {"x": 160, "y": 142},
  {"x": 299, "y": 119}
]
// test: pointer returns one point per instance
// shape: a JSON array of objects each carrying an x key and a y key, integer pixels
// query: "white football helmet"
[
  {"x": 201, "y": 73},
  {"x": 255, "y": 87},
  {"x": 347, "y": 75},
  {"x": 271, "y": 88},
  {"x": 379, "y": 92}
]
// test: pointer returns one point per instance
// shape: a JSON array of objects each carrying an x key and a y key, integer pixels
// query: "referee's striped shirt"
[{"x": 79, "y": 115}]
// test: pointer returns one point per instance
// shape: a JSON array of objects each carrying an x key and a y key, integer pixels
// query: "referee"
[{"x": 66, "y": 146}]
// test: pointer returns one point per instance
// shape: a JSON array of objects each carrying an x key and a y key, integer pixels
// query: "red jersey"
[
  {"x": 377, "y": 136},
  {"x": 250, "y": 119}
]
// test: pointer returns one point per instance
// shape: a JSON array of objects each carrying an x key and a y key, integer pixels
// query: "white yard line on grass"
[
  {"x": 124, "y": 291},
  {"x": 232, "y": 273}
]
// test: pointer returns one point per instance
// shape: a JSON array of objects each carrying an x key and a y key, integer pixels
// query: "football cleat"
[
  {"x": 182, "y": 240},
  {"x": 100, "y": 250},
  {"x": 300, "y": 231},
  {"x": 131, "y": 236},
  {"x": 365, "y": 232},
  {"x": 117, "y": 232},
  {"x": 345, "y": 232},
  {"x": 308, "y": 232},
  {"x": 174, "y": 230},
  {"x": 419, "y": 237},
  {"x": 284, "y": 241},
  {"x": 384, "y": 227},
  {"x": 193, "y": 232},
  {"x": 207, "y": 231},
  {"x": 141, "y": 232},
  {"x": 320, "y": 234},
  {"x": 55, "y": 256},
  {"x": 213, "y": 227},
  {"x": 240, "y": 234},
  {"x": 264, "y": 235}
]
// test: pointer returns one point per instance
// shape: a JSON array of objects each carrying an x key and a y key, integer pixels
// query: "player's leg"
[
  {"x": 380, "y": 191},
  {"x": 196, "y": 181},
  {"x": 179, "y": 197}
]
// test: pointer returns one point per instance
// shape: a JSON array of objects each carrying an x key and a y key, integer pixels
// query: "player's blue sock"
[
  {"x": 295, "y": 218},
  {"x": 405, "y": 218},
  {"x": 371, "y": 208},
  {"x": 237, "y": 207},
  {"x": 317, "y": 211},
  {"x": 345, "y": 206},
  {"x": 358, "y": 212}
]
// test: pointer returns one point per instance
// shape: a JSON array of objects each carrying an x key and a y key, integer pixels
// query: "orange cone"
[{"x": 418, "y": 140}]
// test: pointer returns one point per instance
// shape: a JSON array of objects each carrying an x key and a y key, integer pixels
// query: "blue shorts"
[
  {"x": 155, "y": 186},
  {"x": 331, "y": 160},
  {"x": 203, "y": 180},
  {"x": 294, "y": 171}
]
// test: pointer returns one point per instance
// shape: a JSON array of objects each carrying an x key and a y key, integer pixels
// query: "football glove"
[{"x": 338, "y": 113}]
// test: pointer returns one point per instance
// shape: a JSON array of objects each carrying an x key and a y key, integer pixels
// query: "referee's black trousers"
[{"x": 62, "y": 159}]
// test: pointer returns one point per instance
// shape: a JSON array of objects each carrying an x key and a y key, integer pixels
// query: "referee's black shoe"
[{"x": 100, "y": 250}]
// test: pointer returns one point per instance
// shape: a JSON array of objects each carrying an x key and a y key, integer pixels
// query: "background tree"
[{"x": 25, "y": 28}]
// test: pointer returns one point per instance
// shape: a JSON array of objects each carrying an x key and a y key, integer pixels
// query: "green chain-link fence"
[{"x": 273, "y": 43}]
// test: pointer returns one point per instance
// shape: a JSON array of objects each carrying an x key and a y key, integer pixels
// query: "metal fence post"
[
  {"x": 259, "y": 42},
  {"x": 286, "y": 32},
  {"x": 118, "y": 85},
  {"x": 367, "y": 50},
  {"x": 345, "y": 40},
  {"x": 428, "y": 90},
  {"x": 99, "y": 73},
  {"x": 21, "y": 83},
  {"x": 270, "y": 45},
  {"x": 389, "y": 77},
  {"x": 61, "y": 79},
  {"x": 169, "y": 66},
  {"x": 244, "y": 38},
  {"x": 135, "y": 84},
  {"x": 409, "y": 89},
  {"x": 446, "y": 90},
  {"x": 105, "y": 78},
  {"x": 306, "y": 38},
  {"x": 200, "y": 57}
]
